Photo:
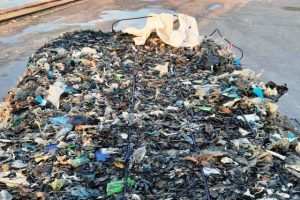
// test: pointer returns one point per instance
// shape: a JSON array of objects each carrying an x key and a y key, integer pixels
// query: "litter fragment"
[
  {"x": 83, "y": 193},
  {"x": 209, "y": 171},
  {"x": 119, "y": 164},
  {"x": 51, "y": 147},
  {"x": 163, "y": 69},
  {"x": 205, "y": 108},
  {"x": 116, "y": 186},
  {"x": 243, "y": 132},
  {"x": 79, "y": 160},
  {"x": 54, "y": 93},
  {"x": 258, "y": 92},
  {"x": 18, "y": 180},
  {"x": 100, "y": 156},
  {"x": 250, "y": 118},
  {"x": 139, "y": 154},
  {"x": 57, "y": 184},
  {"x": 5, "y": 195}
]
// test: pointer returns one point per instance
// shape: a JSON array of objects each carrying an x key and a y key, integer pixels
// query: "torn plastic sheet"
[
  {"x": 250, "y": 118},
  {"x": 209, "y": 171},
  {"x": 187, "y": 35},
  {"x": 54, "y": 93},
  {"x": 64, "y": 123},
  {"x": 18, "y": 180},
  {"x": 5, "y": 195}
]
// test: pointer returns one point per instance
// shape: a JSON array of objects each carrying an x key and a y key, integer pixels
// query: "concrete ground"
[{"x": 267, "y": 30}]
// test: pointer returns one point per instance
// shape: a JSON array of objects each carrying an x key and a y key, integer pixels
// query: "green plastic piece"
[
  {"x": 17, "y": 123},
  {"x": 205, "y": 108},
  {"x": 70, "y": 147},
  {"x": 116, "y": 186},
  {"x": 118, "y": 77}
]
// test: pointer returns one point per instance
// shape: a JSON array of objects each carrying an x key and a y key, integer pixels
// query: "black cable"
[
  {"x": 283, "y": 181},
  {"x": 197, "y": 148},
  {"x": 205, "y": 183},
  {"x": 126, "y": 19},
  {"x": 131, "y": 110},
  {"x": 217, "y": 30}
]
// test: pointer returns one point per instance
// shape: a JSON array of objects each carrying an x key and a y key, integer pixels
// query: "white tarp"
[{"x": 186, "y": 35}]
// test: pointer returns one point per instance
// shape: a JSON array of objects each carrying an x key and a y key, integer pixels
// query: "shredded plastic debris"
[{"x": 97, "y": 117}]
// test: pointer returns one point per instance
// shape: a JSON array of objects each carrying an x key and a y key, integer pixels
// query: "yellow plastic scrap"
[
  {"x": 5, "y": 167},
  {"x": 19, "y": 180},
  {"x": 265, "y": 157},
  {"x": 119, "y": 164},
  {"x": 42, "y": 158},
  {"x": 62, "y": 160},
  {"x": 271, "y": 107},
  {"x": 270, "y": 92},
  {"x": 57, "y": 184}
]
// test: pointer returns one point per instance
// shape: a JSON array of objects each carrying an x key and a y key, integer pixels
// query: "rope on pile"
[
  {"x": 196, "y": 147},
  {"x": 131, "y": 110}
]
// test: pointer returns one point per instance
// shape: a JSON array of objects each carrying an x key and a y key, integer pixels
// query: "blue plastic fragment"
[
  {"x": 21, "y": 96},
  {"x": 69, "y": 90},
  {"x": 292, "y": 138},
  {"x": 40, "y": 100},
  {"x": 259, "y": 92},
  {"x": 237, "y": 63},
  {"x": 153, "y": 133},
  {"x": 79, "y": 119},
  {"x": 62, "y": 120},
  {"x": 51, "y": 75},
  {"x": 83, "y": 193},
  {"x": 101, "y": 156},
  {"x": 51, "y": 147},
  {"x": 189, "y": 140},
  {"x": 232, "y": 88},
  {"x": 147, "y": 106},
  {"x": 232, "y": 92},
  {"x": 233, "y": 96}
]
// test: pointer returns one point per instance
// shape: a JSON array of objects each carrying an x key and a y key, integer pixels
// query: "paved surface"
[
  {"x": 5, "y": 4},
  {"x": 268, "y": 32}
]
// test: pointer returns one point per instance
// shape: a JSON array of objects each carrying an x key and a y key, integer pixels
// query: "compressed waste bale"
[{"x": 92, "y": 105}]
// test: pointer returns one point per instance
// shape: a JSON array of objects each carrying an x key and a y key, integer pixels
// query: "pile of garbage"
[{"x": 97, "y": 117}]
